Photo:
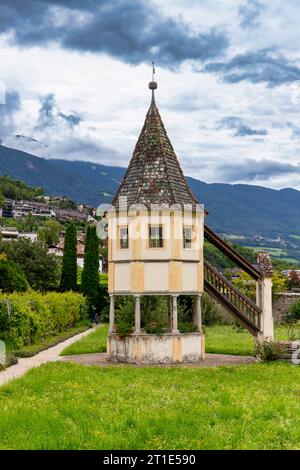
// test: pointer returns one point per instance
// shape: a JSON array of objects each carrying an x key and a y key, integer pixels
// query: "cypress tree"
[
  {"x": 68, "y": 279},
  {"x": 90, "y": 273}
]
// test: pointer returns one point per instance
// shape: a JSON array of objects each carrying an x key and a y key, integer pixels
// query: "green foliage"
[
  {"x": 245, "y": 284},
  {"x": 31, "y": 317},
  {"x": 50, "y": 341},
  {"x": 155, "y": 309},
  {"x": 211, "y": 311},
  {"x": 294, "y": 312},
  {"x": 124, "y": 315},
  {"x": 268, "y": 350},
  {"x": 41, "y": 269},
  {"x": 279, "y": 283},
  {"x": 68, "y": 279},
  {"x": 15, "y": 189},
  {"x": 220, "y": 261},
  {"x": 12, "y": 278},
  {"x": 49, "y": 232},
  {"x": 29, "y": 224},
  {"x": 90, "y": 274}
]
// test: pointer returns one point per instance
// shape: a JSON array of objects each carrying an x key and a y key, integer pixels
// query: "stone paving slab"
[
  {"x": 211, "y": 360},
  {"x": 48, "y": 355}
]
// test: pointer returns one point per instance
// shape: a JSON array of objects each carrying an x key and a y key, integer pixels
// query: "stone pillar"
[
  {"x": 112, "y": 313},
  {"x": 259, "y": 293},
  {"x": 264, "y": 292},
  {"x": 174, "y": 315},
  {"x": 170, "y": 313},
  {"x": 267, "y": 325},
  {"x": 137, "y": 314},
  {"x": 197, "y": 317}
]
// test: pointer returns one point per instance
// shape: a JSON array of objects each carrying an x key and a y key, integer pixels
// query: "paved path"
[
  {"x": 49, "y": 355},
  {"x": 211, "y": 360}
]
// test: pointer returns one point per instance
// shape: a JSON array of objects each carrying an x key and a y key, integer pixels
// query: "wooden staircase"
[{"x": 234, "y": 301}]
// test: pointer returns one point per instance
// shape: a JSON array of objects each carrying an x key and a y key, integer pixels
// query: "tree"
[
  {"x": 41, "y": 268},
  {"x": 49, "y": 233},
  {"x": 29, "y": 224},
  {"x": 90, "y": 273},
  {"x": 12, "y": 277},
  {"x": 68, "y": 279}
]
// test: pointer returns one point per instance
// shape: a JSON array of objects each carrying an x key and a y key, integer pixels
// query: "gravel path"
[
  {"x": 211, "y": 360},
  {"x": 49, "y": 355}
]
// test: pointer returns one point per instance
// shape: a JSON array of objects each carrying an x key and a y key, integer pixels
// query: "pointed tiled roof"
[{"x": 154, "y": 175}]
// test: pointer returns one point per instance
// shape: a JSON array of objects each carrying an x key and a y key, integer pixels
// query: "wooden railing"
[{"x": 243, "y": 308}]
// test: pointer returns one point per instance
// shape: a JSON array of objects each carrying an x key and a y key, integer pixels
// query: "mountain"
[{"x": 238, "y": 208}]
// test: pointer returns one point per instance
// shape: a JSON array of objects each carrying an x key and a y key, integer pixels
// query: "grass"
[
  {"x": 32, "y": 349},
  {"x": 221, "y": 339},
  {"x": 69, "y": 406},
  {"x": 225, "y": 339},
  {"x": 92, "y": 343}
]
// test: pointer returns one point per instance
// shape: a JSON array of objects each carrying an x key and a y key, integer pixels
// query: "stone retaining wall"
[{"x": 282, "y": 304}]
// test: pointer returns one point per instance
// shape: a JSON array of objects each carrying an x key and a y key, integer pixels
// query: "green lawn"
[
  {"x": 222, "y": 339},
  {"x": 69, "y": 406},
  {"x": 92, "y": 343}
]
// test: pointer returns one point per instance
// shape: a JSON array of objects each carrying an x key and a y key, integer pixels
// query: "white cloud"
[{"x": 112, "y": 97}]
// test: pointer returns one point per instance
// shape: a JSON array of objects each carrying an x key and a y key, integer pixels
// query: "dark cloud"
[
  {"x": 262, "y": 66},
  {"x": 134, "y": 32},
  {"x": 7, "y": 111},
  {"x": 249, "y": 12},
  {"x": 50, "y": 116},
  {"x": 254, "y": 170},
  {"x": 87, "y": 149},
  {"x": 240, "y": 128}
]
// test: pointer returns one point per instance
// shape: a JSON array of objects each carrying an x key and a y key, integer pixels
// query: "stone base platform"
[{"x": 157, "y": 349}]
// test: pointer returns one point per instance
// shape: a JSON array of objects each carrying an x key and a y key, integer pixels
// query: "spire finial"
[{"x": 153, "y": 84}]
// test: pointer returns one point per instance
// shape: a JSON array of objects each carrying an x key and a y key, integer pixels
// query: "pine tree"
[
  {"x": 90, "y": 273},
  {"x": 69, "y": 265}
]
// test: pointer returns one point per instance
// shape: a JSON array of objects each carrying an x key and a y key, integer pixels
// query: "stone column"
[
  {"x": 174, "y": 315},
  {"x": 170, "y": 313},
  {"x": 259, "y": 293},
  {"x": 112, "y": 313},
  {"x": 267, "y": 326},
  {"x": 197, "y": 311},
  {"x": 137, "y": 314}
]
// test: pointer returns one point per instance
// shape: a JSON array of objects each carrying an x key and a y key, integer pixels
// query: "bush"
[
  {"x": 294, "y": 312},
  {"x": 31, "y": 317},
  {"x": 268, "y": 350},
  {"x": 211, "y": 311},
  {"x": 12, "y": 277}
]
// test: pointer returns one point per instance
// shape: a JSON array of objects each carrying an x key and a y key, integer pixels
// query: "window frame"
[
  {"x": 121, "y": 239},
  {"x": 160, "y": 238},
  {"x": 187, "y": 240}
]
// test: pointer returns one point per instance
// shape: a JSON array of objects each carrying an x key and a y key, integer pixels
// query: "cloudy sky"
[{"x": 74, "y": 77}]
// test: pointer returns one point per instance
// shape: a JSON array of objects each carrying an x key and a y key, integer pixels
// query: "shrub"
[
  {"x": 12, "y": 277},
  {"x": 211, "y": 311},
  {"x": 30, "y": 317},
  {"x": 268, "y": 350},
  {"x": 294, "y": 312},
  {"x": 40, "y": 268}
]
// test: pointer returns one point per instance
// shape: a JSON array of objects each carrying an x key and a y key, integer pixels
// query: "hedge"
[{"x": 28, "y": 318}]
